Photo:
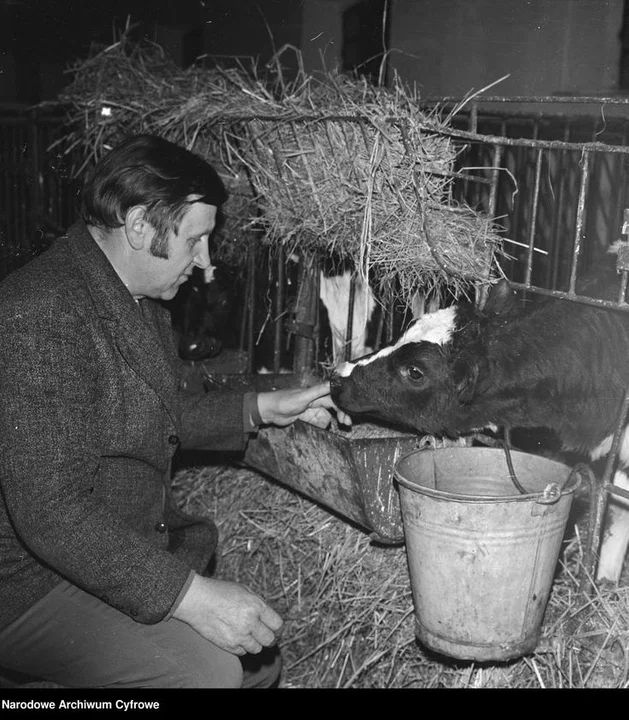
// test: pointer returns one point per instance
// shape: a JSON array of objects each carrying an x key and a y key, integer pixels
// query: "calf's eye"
[{"x": 413, "y": 373}]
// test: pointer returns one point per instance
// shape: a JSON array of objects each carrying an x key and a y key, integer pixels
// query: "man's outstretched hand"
[{"x": 313, "y": 405}]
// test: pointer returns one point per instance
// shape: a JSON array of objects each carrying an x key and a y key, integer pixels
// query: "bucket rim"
[{"x": 570, "y": 485}]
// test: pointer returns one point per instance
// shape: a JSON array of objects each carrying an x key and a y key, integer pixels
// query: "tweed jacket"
[{"x": 91, "y": 414}]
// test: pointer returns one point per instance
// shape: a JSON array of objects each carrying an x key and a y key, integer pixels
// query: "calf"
[
  {"x": 555, "y": 364},
  {"x": 203, "y": 312},
  {"x": 334, "y": 292}
]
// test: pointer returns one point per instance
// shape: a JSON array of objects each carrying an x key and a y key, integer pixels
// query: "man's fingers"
[
  {"x": 264, "y": 633},
  {"x": 319, "y": 417},
  {"x": 271, "y": 619},
  {"x": 252, "y": 646},
  {"x": 316, "y": 391},
  {"x": 264, "y": 636}
]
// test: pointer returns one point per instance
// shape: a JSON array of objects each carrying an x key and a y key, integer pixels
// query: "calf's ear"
[
  {"x": 501, "y": 298},
  {"x": 465, "y": 372}
]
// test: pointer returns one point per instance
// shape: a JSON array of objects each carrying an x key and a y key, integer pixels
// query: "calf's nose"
[
  {"x": 344, "y": 369},
  {"x": 339, "y": 373}
]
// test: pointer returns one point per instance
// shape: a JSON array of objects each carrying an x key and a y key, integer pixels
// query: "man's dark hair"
[{"x": 154, "y": 172}]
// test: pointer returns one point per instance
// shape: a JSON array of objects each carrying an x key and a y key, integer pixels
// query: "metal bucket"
[{"x": 482, "y": 555}]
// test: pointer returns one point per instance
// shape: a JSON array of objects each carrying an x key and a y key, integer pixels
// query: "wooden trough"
[{"x": 349, "y": 471}]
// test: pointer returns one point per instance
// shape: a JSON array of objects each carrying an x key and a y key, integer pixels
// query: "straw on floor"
[{"x": 347, "y": 602}]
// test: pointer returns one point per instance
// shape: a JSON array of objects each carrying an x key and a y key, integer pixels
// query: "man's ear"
[{"x": 138, "y": 231}]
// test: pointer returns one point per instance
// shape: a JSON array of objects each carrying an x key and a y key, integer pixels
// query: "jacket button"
[
  {"x": 160, "y": 527},
  {"x": 173, "y": 439}
]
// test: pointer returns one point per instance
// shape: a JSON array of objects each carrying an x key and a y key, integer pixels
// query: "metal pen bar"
[
  {"x": 495, "y": 176},
  {"x": 542, "y": 99},
  {"x": 492, "y": 201},
  {"x": 529, "y": 142},
  {"x": 347, "y": 347},
  {"x": 578, "y": 233},
  {"x": 596, "y": 523},
  {"x": 555, "y": 249},
  {"x": 533, "y": 221},
  {"x": 595, "y": 302}
]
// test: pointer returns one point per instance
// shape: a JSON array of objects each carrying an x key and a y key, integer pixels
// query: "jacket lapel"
[{"x": 139, "y": 331}]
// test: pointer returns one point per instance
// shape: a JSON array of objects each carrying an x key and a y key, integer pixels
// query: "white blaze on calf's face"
[{"x": 436, "y": 327}]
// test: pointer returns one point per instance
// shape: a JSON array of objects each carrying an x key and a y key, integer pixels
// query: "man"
[{"x": 101, "y": 576}]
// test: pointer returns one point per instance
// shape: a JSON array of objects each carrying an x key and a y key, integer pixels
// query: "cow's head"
[{"x": 430, "y": 378}]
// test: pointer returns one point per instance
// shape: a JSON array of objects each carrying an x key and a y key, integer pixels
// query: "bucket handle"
[
  {"x": 552, "y": 492},
  {"x": 514, "y": 478},
  {"x": 552, "y": 495}
]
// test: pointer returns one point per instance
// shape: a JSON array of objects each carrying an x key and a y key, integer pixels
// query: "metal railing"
[
  {"x": 38, "y": 198},
  {"x": 559, "y": 185}
]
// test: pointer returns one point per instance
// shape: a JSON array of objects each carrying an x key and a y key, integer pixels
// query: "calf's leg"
[{"x": 615, "y": 534}]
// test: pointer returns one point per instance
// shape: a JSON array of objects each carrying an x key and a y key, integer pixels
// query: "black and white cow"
[
  {"x": 554, "y": 364},
  {"x": 334, "y": 293}
]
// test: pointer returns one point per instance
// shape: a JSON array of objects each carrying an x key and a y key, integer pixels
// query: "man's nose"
[{"x": 202, "y": 257}]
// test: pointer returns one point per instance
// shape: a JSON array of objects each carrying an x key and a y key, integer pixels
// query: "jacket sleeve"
[
  {"x": 50, "y": 459},
  {"x": 212, "y": 421}
]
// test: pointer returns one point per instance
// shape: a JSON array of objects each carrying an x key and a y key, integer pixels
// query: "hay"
[
  {"x": 323, "y": 164},
  {"x": 347, "y": 603},
  {"x": 128, "y": 89}
]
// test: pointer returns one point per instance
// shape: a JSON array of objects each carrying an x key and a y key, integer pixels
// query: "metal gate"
[
  {"x": 38, "y": 196},
  {"x": 556, "y": 177},
  {"x": 556, "y": 182}
]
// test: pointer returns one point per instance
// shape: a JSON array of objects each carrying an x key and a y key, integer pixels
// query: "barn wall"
[
  {"x": 251, "y": 29},
  {"x": 322, "y": 33},
  {"x": 448, "y": 47}
]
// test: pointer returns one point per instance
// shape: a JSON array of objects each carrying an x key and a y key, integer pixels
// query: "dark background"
[{"x": 60, "y": 32}]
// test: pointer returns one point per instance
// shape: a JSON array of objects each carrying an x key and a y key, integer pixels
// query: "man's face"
[{"x": 186, "y": 248}]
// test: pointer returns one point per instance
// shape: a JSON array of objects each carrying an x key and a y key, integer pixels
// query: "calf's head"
[{"x": 433, "y": 378}]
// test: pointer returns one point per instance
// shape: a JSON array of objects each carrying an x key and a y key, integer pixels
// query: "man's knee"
[
  {"x": 216, "y": 669},
  {"x": 75, "y": 640},
  {"x": 218, "y": 672},
  {"x": 224, "y": 670}
]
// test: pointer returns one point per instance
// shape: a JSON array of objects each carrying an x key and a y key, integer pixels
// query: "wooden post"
[
  {"x": 246, "y": 331},
  {"x": 306, "y": 315},
  {"x": 279, "y": 303},
  {"x": 35, "y": 196}
]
